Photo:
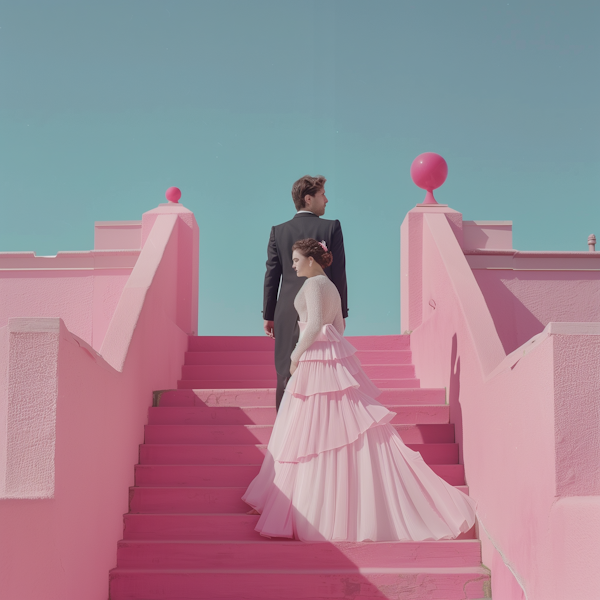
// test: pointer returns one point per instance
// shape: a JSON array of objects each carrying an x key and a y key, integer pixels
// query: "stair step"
[
  {"x": 207, "y": 343},
  {"x": 247, "y": 454},
  {"x": 450, "y": 583},
  {"x": 266, "y": 357},
  {"x": 237, "y": 475},
  {"x": 237, "y": 384},
  {"x": 207, "y": 526},
  {"x": 294, "y": 555},
  {"x": 265, "y": 372},
  {"x": 244, "y": 343},
  {"x": 207, "y": 384},
  {"x": 189, "y": 499},
  {"x": 382, "y": 343},
  {"x": 260, "y": 434},
  {"x": 265, "y": 415},
  {"x": 266, "y": 397}
]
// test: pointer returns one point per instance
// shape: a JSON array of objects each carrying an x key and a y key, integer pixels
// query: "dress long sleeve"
[{"x": 313, "y": 297}]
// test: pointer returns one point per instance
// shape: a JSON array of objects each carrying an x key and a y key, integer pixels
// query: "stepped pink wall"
[
  {"x": 527, "y": 421},
  {"x": 83, "y": 288},
  {"x": 526, "y": 291},
  {"x": 62, "y": 544}
]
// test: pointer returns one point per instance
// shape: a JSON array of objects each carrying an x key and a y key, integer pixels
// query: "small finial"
[
  {"x": 429, "y": 171},
  {"x": 592, "y": 243},
  {"x": 173, "y": 194}
]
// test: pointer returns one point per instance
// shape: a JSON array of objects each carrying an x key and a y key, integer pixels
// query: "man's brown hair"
[{"x": 306, "y": 185}]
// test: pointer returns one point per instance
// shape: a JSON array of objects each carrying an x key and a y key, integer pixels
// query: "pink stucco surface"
[
  {"x": 110, "y": 235},
  {"x": 527, "y": 422},
  {"x": 63, "y": 495},
  {"x": 83, "y": 288},
  {"x": 525, "y": 291}
]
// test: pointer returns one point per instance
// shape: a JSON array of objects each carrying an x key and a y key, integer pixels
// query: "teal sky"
[{"x": 104, "y": 105}]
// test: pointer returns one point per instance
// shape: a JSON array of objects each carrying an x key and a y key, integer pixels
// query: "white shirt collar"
[{"x": 305, "y": 211}]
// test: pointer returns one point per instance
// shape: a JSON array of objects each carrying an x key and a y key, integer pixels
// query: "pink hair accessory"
[{"x": 323, "y": 245}]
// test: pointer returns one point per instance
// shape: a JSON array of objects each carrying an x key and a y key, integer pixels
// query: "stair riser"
[
  {"x": 187, "y": 500},
  {"x": 446, "y": 585},
  {"x": 266, "y": 415},
  {"x": 379, "y": 343},
  {"x": 296, "y": 555},
  {"x": 376, "y": 357},
  {"x": 257, "y": 434},
  {"x": 173, "y": 500},
  {"x": 266, "y": 397},
  {"x": 209, "y": 384},
  {"x": 238, "y": 343},
  {"x": 235, "y": 475},
  {"x": 228, "y": 454},
  {"x": 205, "y": 527},
  {"x": 265, "y": 372}
]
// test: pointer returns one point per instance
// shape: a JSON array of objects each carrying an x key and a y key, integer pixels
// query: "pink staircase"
[{"x": 187, "y": 535}]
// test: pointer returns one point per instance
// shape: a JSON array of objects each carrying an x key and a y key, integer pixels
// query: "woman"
[{"x": 335, "y": 469}]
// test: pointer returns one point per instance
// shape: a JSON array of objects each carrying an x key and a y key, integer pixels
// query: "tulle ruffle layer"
[
  {"x": 329, "y": 345},
  {"x": 336, "y": 469},
  {"x": 322, "y": 422},
  {"x": 373, "y": 489},
  {"x": 329, "y": 365}
]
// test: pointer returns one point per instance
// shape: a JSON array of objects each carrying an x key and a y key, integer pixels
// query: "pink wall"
[
  {"x": 487, "y": 234},
  {"x": 63, "y": 544},
  {"x": 83, "y": 288},
  {"x": 110, "y": 235},
  {"x": 527, "y": 422},
  {"x": 523, "y": 299}
]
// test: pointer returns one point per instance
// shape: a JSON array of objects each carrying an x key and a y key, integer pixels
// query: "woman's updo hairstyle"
[{"x": 313, "y": 249}]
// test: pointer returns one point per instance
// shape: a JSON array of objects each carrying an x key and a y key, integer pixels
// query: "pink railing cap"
[
  {"x": 173, "y": 194},
  {"x": 429, "y": 171}
]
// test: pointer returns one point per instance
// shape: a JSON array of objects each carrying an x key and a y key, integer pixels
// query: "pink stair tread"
[
  {"x": 207, "y": 527},
  {"x": 200, "y": 384},
  {"x": 187, "y": 535},
  {"x": 441, "y": 583},
  {"x": 253, "y": 454},
  {"x": 266, "y": 397},
  {"x": 231, "y": 475},
  {"x": 260, "y": 434},
  {"x": 278, "y": 554},
  {"x": 190, "y": 499},
  {"x": 266, "y": 357},
  {"x": 265, "y": 415}
]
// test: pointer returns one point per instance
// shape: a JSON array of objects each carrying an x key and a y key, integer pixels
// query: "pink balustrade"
[
  {"x": 85, "y": 338},
  {"x": 514, "y": 337}
]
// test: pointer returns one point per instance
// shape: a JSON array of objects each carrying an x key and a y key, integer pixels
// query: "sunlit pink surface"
[
  {"x": 527, "y": 422},
  {"x": 63, "y": 497}
]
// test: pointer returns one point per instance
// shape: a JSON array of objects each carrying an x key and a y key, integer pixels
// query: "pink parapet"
[
  {"x": 173, "y": 194},
  {"x": 429, "y": 171}
]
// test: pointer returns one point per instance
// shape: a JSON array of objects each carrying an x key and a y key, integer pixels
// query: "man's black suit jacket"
[{"x": 280, "y": 307}]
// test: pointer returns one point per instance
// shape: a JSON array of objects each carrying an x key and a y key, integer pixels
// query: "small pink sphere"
[
  {"x": 429, "y": 171},
  {"x": 173, "y": 194}
]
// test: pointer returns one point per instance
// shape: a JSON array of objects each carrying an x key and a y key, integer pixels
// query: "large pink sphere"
[
  {"x": 173, "y": 194},
  {"x": 429, "y": 170}
]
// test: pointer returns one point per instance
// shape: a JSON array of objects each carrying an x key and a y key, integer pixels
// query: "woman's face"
[{"x": 301, "y": 264}]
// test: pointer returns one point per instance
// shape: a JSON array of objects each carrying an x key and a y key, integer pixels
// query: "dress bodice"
[{"x": 318, "y": 304}]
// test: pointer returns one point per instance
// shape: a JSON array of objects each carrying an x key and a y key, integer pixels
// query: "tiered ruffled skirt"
[{"x": 336, "y": 470}]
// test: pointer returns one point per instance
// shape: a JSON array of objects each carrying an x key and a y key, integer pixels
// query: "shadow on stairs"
[{"x": 187, "y": 535}]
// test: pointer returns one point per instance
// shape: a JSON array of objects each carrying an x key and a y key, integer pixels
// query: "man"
[{"x": 280, "y": 316}]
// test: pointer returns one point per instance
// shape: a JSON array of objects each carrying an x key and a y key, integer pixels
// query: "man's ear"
[{"x": 307, "y": 200}]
